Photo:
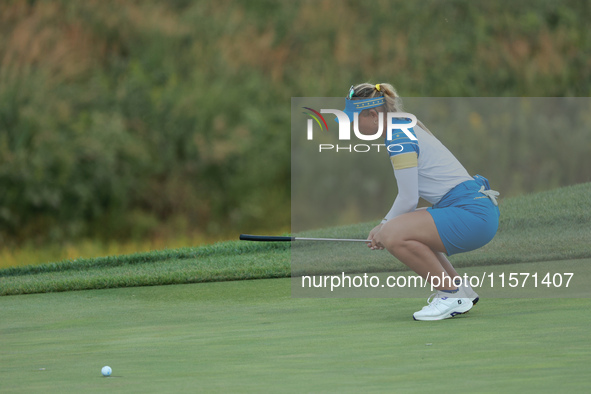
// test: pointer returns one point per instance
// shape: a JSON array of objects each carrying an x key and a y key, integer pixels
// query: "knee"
[{"x": 392, "y": 241}]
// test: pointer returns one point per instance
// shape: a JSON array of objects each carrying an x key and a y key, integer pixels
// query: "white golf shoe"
[{"x": 443, "y": 307}]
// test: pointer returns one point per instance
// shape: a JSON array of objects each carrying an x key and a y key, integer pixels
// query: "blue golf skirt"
[{"x": 466, "y": 219}]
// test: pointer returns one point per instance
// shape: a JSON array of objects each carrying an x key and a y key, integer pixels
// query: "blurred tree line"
[{"x": 138, "y": 118}]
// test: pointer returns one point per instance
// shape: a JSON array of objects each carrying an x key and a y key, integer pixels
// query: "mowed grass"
[
  {"x": 211, "y": 330},
  {"x": 550, "y": 225},
  {"x": 251, "y": 336}
]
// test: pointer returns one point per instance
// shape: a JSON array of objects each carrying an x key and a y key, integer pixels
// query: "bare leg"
[
  {"x": 413, "y": 239},
  {"x": 451, "y": 271}
]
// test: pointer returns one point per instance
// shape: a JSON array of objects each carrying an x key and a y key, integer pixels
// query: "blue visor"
[{"x": 352, "y": 106}]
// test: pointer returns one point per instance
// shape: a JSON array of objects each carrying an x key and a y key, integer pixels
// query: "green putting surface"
[{"x": 252, "y": 336}]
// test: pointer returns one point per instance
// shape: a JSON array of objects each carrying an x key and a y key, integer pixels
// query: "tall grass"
[{"x": 91, "y": 248}]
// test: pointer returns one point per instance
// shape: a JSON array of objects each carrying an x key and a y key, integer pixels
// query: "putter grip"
[{"x": 265, "y": 238}]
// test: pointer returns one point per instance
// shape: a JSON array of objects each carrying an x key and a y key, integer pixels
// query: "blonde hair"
[{"x": 391, "y": 97}]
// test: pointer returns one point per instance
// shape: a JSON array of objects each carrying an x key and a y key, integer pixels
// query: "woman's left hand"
[{"x": 375, "y": 245}]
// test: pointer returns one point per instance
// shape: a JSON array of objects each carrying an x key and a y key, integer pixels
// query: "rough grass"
[
  {"x": 33, "y": 253},
  {"x": 551, "y": 225}
]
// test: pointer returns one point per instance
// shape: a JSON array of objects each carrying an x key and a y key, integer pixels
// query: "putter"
[{"x": 271, "y": 238}]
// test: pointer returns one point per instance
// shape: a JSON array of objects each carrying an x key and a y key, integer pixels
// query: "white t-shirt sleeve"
[{"x": 408, "y": 192}]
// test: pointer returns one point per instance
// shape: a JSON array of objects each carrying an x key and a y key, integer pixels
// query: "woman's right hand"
[{"x": 371, "y": 236}]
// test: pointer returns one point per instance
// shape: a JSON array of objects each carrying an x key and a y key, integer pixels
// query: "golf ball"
[{"x": 106, "y": 371}]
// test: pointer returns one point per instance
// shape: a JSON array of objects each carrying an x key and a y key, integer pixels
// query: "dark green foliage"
[{"x": 118, "y": 118}]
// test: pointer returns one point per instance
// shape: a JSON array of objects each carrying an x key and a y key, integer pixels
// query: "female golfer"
[{"x": 464, "y": 215}]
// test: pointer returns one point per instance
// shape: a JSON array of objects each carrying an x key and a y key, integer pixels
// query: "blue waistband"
[
  {"x": 462, "y": 190},
  {"x": 475, "y": 183}
]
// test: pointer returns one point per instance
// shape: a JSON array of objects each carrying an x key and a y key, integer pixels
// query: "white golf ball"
[{"x": 106, "y": 371}]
